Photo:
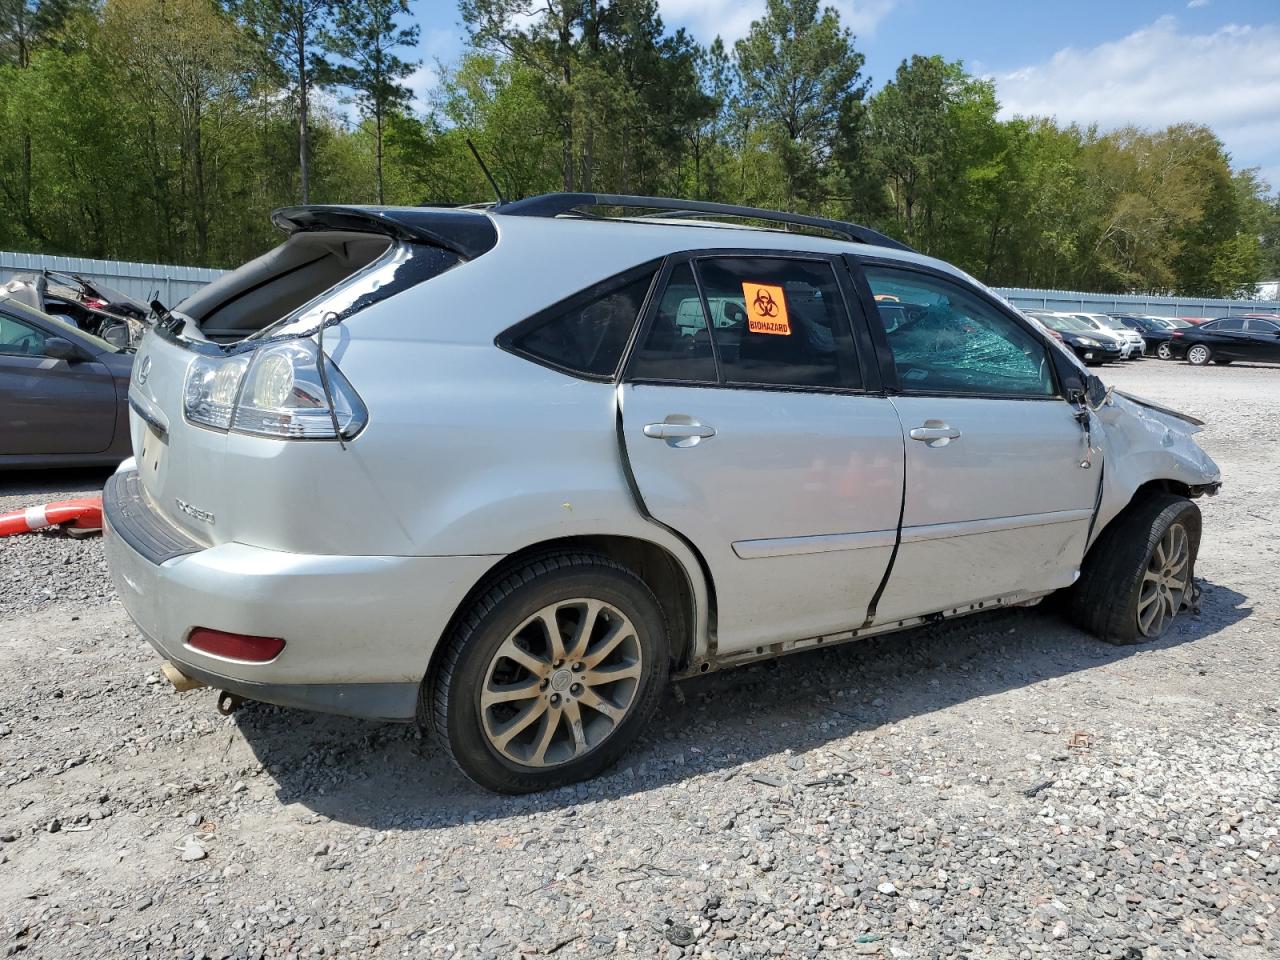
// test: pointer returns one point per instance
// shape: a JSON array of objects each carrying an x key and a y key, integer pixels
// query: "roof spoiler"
[{"x": 467, "y": 233}]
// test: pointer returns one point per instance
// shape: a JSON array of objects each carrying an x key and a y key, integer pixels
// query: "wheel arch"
[
  {"x": 1160, "y": 485},
  {"x": 687, "y": 595}
]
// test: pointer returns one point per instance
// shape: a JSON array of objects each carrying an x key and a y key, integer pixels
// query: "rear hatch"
[{"x": 217, "y": 460}]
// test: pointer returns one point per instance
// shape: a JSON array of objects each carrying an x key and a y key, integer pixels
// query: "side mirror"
[
  {"x": 59, "y": 348},
  {"x": 1096, "y": 392}
]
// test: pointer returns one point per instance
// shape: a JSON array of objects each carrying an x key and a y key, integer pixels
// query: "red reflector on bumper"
[{"x": 235, "y": 646}]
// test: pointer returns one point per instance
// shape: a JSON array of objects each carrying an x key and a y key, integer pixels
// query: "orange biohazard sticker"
[{"x": 766, "y": 309}]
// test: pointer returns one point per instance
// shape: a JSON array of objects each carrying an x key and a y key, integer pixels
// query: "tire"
[
  {"x": 1113, "y": 582},
  {"x": 512, "y": 616},
  {"x": 1199, "y": 354},
  {"x": 1164, "y": 351}
]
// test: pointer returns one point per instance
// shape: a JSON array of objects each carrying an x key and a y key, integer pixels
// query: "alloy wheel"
[
  {"x": 1165, "y": 582},
  {"x": 561, "y": 683},
  {"x": 1164, "y": 351},
  {"x": 1198, "y": 354}
]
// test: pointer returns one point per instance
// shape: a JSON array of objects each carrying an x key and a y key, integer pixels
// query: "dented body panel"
[{"x": 1142, "y": 443}]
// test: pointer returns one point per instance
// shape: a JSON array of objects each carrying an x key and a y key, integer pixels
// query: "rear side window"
[
  {"x": 677, "y": 345},
  {"x": 779, "y": 323},
  {"x": 1263, "y": 326},
  {"x": 766, "y": 321},
  {"x": 587, "y": 333}
]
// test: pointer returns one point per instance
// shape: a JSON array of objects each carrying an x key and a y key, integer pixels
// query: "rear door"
[
  {"x": 997, "y": 502},
  {"x": 50, "y": 406},
  {"x": 1265, "y": 335},
  {"x": 753, "y": 428},
  {"x": 1228, "y": 340}
]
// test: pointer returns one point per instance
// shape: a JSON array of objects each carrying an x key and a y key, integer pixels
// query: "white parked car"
[
  {"x": 508, "y": 472},
  {"x": 1133, "y": 346}
]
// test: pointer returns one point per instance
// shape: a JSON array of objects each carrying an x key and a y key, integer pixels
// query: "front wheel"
[
  {"x": 1199, "y": 355},
  {"x": 1141, "y": 571},
  {"x": 1164, "y": 351},
  {"x": 551, "y": 674}
]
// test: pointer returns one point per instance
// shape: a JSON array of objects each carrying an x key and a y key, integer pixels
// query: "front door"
[
  {"x": 749, "y": 430},
  {"x": 50, "y": 406},
  {"x": 997, "y": 502}
]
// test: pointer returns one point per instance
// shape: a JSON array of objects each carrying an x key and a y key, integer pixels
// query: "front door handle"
[
  {"x": 679, "y": 434},
  {"x": 935, "y": 433}
]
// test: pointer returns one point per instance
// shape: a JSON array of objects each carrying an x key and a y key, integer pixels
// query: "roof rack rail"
[{"x": 557, "y": 204}]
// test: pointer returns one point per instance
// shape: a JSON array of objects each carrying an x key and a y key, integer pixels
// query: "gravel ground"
[{"x": 997, "y": 787}]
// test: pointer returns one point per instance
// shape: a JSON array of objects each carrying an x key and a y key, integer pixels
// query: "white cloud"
[
  {"x": 1228, "y": 79},
  {"x": 1192, "y": 4},
  {"x": 730, "y": 19}
]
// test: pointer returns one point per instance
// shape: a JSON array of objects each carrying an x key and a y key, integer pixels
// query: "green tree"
[
  {"x": 288, "y": 34},
  {"x": 799, "y": 71},
  {"x": 366, "y": 35}
]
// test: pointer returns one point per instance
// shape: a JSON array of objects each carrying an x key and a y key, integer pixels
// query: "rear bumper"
[{"x": 358, "y": 631}]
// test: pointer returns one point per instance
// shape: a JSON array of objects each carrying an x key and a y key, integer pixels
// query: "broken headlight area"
[{"x": 278, "y": 390}]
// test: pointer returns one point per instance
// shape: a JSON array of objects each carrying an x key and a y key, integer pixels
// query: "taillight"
[
  {"x": 1177, "y": 333},
  {"x": 277, "y": 391},
  {"x": 235, "y": 646}
]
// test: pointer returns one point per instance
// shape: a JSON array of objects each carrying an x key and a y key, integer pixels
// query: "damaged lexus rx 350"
[{"x": 506, "y": 472}]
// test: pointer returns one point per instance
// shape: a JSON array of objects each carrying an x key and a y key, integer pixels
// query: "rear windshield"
[{"x": 402, "y": 266}]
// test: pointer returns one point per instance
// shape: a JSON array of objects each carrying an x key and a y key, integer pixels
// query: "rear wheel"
[
  {"x": 551, "y": 675},
  {"x": 1199, "y": 355},
  {"x": 1164, "y": 351},
  {"x": 1141, "y": 571}
]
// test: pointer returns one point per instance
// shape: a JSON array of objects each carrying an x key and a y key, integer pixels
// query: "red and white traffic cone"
[{"x": 83, "y": 514}]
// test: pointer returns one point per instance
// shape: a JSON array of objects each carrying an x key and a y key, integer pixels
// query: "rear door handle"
[
  {"x": 935, "y": 433},
  {"x": 679, "y": 434}
]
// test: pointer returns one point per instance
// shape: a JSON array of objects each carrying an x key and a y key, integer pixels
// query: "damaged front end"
[{"x": 1145, "y": 444}]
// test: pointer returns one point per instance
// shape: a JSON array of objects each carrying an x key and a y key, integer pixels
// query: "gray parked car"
[
  {"x": 507, "y": 472},
  {"x": 63, "y": 392}
]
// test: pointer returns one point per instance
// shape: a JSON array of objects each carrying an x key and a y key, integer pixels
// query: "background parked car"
[
  {"x": 1227, "y": 339},
  {"x": 1082, "y": 339},
  {"x": 63, "y": 392},
  {"x": 1152, "y": 330},
  {"x": 89, "y": 305},
  {"x": 1102, "y": 322}
]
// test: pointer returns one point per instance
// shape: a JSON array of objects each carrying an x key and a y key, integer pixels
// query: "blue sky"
[{"x": 1125, "y": 61}]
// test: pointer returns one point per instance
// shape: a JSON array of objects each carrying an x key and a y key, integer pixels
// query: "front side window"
[
  {"x": 948, "y": 340},
  {"x": 1233, "y": 323},
  {"x": 588, "y": 333},
  {"x": 19, "y": 340}
]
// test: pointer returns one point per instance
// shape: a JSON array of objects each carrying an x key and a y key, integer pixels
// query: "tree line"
[{"x": 166, "y": 130}]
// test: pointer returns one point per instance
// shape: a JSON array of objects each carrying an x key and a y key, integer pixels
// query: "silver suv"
[{"x": 507, "y": 472}]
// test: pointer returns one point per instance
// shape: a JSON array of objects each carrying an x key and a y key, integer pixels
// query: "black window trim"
[
  {"x": 601, "y": 288},
  {"x": 889, "y": 370},
  {"x": 870, "y": 383}
]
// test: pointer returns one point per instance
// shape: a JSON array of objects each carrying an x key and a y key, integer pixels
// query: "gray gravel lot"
[{"x": 998, "y": 787}]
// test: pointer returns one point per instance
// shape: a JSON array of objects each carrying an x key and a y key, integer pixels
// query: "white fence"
[
  {"x": 174, "y": 284},
  {"x": 142, "y": 281}
]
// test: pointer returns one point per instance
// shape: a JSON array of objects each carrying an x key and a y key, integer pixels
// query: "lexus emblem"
[{"x": 144, "y": 370}]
